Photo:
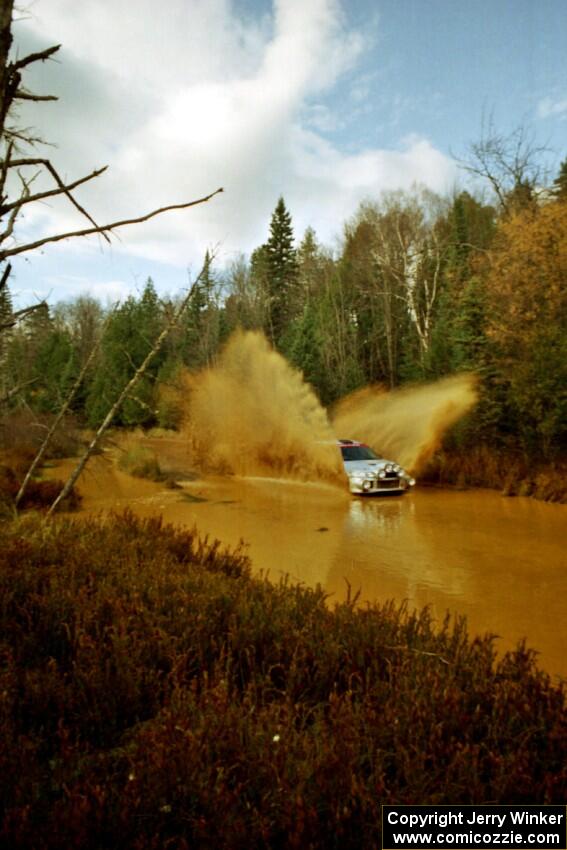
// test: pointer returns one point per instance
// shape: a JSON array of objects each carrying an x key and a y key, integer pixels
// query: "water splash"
[
  {"x": 254, "y": 414},
  {"x": 405, "y": 425}
]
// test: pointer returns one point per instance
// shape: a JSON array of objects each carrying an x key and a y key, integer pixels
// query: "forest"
[{"x": 421, "y": 287}]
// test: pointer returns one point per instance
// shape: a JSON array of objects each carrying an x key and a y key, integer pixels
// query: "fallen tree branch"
[
  {"x": 20, "y": 314},
  {"x": 127, "y": 391},
  {"x": 15, "y": 390}
]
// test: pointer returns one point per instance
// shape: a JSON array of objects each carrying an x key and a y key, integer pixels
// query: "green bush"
[
  {"x": 155, "y": 694},
  {"x": 140, "y": 462}
]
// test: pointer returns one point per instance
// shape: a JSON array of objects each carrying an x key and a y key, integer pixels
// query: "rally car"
[{"x": 371, "y": 475}]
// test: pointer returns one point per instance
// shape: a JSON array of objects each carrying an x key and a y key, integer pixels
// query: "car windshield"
[{"x": 358, "y": 453}]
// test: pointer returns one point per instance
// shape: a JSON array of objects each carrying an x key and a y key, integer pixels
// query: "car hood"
[{"x": 365, "y": 467}]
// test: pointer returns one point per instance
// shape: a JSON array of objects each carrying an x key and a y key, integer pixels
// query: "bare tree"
[
  {"x": 511, "y": 164},
  {"x": 27, "y": 168}
]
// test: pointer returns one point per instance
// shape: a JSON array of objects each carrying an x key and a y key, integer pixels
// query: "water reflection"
[{"x": 499, "y": 561}]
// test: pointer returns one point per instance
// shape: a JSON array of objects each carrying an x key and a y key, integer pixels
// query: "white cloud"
[
  {"x": 550, "y": 107},
  {"x": 198, "y": 96}
]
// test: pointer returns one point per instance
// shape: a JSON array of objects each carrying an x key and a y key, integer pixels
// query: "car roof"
[{"x": 351, "y": 443}]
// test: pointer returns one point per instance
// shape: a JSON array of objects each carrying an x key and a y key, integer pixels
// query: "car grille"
[{"x": 388, "y": 483}]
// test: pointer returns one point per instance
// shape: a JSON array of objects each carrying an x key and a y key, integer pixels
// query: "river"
[{"x": 499, "y": 561}]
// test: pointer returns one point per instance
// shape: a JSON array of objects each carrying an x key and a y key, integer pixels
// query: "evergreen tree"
[
  {"x": 55, "y": 370},
  {"x": 458, "y": 338},
  {"x": 282, "y": 272},
  {"x": 260, "y": 286},
  {"x": 305, "y": 348},
  {"x": 129, "y": 336},
  {"x": 309, "y": 263},
  {"x": 559, "y": 188}
]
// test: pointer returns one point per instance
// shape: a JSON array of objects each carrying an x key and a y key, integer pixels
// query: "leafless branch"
[
  {"x": 21, "y": 94},
  {"x": 40, "y": 56},
  {"x": 14, "y": 214},
  {"x": 506, "y": 162},
  {"x": 20, "y": 249},
  {"x": 62, "y": 188}
]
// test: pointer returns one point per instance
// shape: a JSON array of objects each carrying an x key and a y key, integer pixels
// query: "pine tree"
[
  {"x": 129, "y": 336},
  {"x": 282, "y": 272},
  {"x": 309, "y": 262}
]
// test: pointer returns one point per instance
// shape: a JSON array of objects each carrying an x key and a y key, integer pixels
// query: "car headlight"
[
  {"x": 381, "y": 474},
  {"x": 389, "y": 467},
  {"x": 366, "y": 485},
  {"x": 398, "y": 469}
]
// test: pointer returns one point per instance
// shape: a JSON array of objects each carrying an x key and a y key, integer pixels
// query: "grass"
[
  {"x": 140, "y": 462},
  {"x": 513, "y": 475},
  {"x": 154, "y": 694}
]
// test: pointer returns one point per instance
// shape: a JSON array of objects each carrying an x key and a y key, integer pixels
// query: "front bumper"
[{"x": 381, "y": 486}]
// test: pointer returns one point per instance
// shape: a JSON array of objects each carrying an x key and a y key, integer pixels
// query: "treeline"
[{"x": 423, "y": 286}]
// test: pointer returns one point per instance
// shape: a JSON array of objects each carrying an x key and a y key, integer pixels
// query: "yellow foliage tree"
[{"x": 527, "y": 298}]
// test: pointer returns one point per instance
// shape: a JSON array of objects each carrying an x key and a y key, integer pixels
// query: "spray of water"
[
  {"x": 405, "y": 425},
  {"x": 253, "y": 414}
]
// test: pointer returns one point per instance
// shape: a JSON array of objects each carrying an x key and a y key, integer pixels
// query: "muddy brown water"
[{"x": 499, "y": 561}]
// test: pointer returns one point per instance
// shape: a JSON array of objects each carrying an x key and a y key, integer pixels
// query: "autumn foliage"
[{"x": 527, "y": 309}]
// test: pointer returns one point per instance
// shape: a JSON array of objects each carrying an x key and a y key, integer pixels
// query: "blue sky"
[{"x": 325, "y": 102}]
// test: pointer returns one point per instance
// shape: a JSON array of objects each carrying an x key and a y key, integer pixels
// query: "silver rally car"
[{"x": 371, "y": 475}]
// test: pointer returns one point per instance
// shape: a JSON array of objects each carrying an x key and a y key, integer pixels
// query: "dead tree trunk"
[{"x": 6, "y": 8}]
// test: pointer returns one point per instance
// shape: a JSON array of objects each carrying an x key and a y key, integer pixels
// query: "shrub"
[
  {"x": 155, "y": 694},
  {"x": 38, "y": 495},
  {"x": 512, "y": 474},
  {"x": 25, "y": 431},
  {"x": 140, "y": 462}
]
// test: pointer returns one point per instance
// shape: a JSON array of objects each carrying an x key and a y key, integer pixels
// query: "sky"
[{"x": 323, "y": 102}]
